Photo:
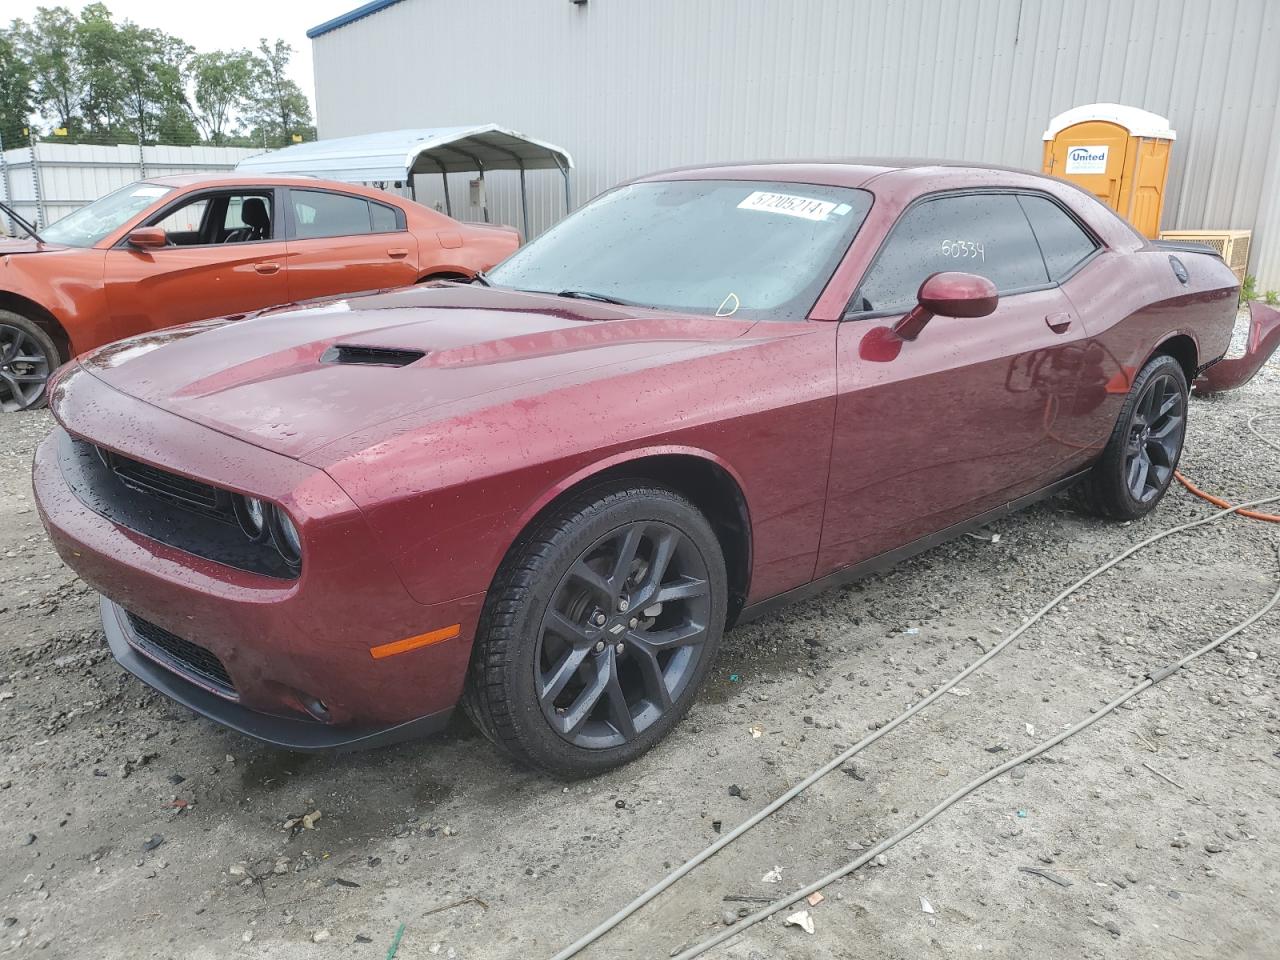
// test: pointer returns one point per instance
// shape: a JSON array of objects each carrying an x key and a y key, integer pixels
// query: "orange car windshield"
[
  {"x": 91, "y": 223},
  {"x": 748, "y": 249}
]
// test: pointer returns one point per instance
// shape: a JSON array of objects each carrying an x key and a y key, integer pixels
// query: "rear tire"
[
  {"x": 27, "y": 357},
  {"x": 1137, "y": 464},
  {"x": 599, "y": 629}
]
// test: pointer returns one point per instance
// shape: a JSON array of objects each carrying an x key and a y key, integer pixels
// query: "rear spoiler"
[{"x": 1185, "y": 246}]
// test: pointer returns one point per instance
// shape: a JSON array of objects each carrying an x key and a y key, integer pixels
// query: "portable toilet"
[{"x": 1119, "y": 154}]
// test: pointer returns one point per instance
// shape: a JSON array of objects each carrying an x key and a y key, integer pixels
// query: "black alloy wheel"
[
  {"x": 25, "y": 365},
  {"x": 623, "y": 635},
  {"x": 1155, "y": 437},
  {"x": 1138, "y": 462},
  {"x": 599, "y": 628}
]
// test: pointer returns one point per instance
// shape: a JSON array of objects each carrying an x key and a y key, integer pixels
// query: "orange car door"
[
  {"x": 222, "y": 258},
  {"x": 340, "y": 243}
]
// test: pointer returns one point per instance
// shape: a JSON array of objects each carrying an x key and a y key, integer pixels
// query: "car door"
[
  {"x": 341, "y": 243},
  {"x": 964, "y": 418},
  {"x": 214, "y": 264}
]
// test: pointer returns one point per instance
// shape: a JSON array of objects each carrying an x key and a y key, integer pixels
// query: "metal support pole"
[
  {"x": 142, "y": 160},
  {"x": 524, "y": 203},
  {"x": 4, "y": 176},
  {"x": 568, "y": 193},
  {"x": 444, "y": 178},
  {"x": 479, "y": 166},
  {"x": 42, "y": 218}
]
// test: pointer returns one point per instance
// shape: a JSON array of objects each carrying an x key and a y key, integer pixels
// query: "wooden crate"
[{"x": 1232, "y": 245}]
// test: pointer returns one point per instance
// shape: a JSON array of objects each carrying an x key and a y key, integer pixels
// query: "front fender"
[
  {"x": 620, "y": 459},
  {"x": 1264, "y": 338}
]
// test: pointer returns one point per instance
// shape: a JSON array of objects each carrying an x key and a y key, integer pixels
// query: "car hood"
[
  {"x": 288, "y": 379},
  {"x": 10, "y": 245}
]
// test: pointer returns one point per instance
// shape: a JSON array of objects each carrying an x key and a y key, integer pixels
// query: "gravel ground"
[{"x": 130, "y": 828}]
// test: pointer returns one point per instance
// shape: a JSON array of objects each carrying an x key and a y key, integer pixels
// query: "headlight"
[
  {"x": 252, "y": 516},
  {"x": 285, "y": 535}
]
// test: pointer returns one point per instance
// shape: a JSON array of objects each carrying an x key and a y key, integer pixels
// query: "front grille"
[
  {"x": 170, "y": 487},
  {"x": 188, "y": 514},
  {"x": 181, "y": 656}
]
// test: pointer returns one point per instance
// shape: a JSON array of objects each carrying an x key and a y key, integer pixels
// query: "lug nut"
[
  {"x": 634, "y": 623},
  {"x": 623, "y": 605},
  {"x": 599, "y": 645},
  {"x": 620, "y": 647},
  {"x": 599, "y": 619}
]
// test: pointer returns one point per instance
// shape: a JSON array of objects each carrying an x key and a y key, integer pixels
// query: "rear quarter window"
[
  {"x": 383, "y": 218},
  {"x": 1063, "y": 242}
]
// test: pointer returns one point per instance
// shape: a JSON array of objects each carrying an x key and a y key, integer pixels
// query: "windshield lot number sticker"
[
  {"x": 788, "y": 204},
  {"x": 961, "y": 249}
]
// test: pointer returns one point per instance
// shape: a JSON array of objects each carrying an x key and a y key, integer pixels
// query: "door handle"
[
  {"x": 398, "y": 253},
  {"x": 1058, "y": 322},
  {"x": 266, "y": 269}
]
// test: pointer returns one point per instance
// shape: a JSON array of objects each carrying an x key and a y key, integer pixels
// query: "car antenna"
[{"x": 21, "y": 222}]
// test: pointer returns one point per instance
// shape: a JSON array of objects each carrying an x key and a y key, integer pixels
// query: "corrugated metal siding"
[
  {"x": 631, "y": 87},
  {"x": 73, "y": 174}
]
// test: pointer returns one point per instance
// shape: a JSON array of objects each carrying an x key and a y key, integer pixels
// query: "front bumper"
[
  {"x": 288, "y": 732},
  {"x": 1264, "y": 338},
  {"x": 286, "y": 645}
]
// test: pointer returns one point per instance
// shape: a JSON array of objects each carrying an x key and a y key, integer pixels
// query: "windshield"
[
  {"x": 90, "y": 224},
  {"x": 740, "y": 248}
]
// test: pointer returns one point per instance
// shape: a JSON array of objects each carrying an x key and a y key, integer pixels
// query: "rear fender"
[{"x": 1264, "y": 338}]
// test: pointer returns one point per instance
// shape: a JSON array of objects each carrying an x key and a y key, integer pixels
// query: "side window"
[
  {"x": 384, "y": 218},
  {"x": 317, "y": 214},
  {"x": 220, "y": 218},
  {"x": 1062, "y": 241},
  {"x": 233, "y": 220},
  {"x": 245, "y": 219},
  {"x": 183, "y": 224},
  {"x": 986, "y": 234}
]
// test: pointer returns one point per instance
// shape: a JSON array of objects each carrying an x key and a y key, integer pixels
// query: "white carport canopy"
[{"x": 397, "y": 155}]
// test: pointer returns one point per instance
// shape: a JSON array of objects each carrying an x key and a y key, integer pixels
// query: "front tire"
[
  {"x": 27, "y": 357},
  {"x": 599, "y": 630},
  {"x": 1138, "y": 462}
]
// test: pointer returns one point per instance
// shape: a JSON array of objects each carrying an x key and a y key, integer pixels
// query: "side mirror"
[
  {"x": 148, "y": 238},
  {"x": 948, "y": 295}
]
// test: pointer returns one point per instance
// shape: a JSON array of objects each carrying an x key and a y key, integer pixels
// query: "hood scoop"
[{"x": 356, "y": 355}]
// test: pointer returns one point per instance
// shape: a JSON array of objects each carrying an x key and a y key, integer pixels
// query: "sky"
[{"x": 218, "y": 24}]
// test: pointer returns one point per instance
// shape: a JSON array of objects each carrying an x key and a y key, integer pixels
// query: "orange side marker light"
[{"x": 413, "y": 643}]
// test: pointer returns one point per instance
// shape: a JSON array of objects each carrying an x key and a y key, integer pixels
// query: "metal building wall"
[{"x": 630, "y": 86}]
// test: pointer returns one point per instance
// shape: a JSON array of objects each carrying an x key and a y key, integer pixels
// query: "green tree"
[
  {"x": 112, "y": 81},
  {"x": 99, "y": 58},
  {"x": 152, "y": 99},
  {"x": 224, "y": 86},
  {"x": 279, "y": 109},
  {"x": 104, "y": 80},
  {"x": 50, "y": 46},
  {"x": 15, "y": 87}
]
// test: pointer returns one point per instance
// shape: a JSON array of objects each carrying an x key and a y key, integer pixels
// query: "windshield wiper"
[
  {"x": 20, "y": 222},
  {"x": 481, "y": 279},
  {"x": 589, "y": 295}
]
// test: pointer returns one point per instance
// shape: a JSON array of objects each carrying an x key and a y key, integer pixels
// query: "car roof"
[
  {"x": 182, "y": 180},
  {"x": 854, "y": 172}
]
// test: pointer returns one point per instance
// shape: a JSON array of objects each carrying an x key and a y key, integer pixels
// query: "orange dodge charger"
[{"x": 175, "y": 249}]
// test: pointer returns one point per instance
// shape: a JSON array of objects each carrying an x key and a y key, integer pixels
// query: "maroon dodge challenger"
[{"x": 544, "y": 495}]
